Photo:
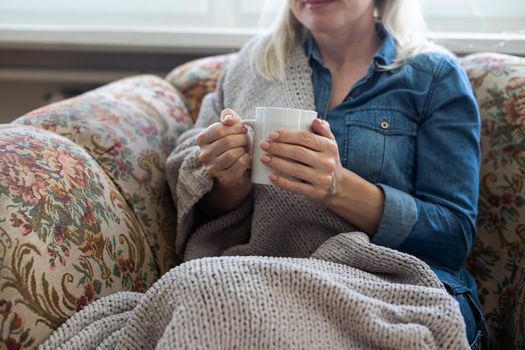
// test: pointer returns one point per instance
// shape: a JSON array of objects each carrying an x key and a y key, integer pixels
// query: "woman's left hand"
[{"x": 311, "y": 159}]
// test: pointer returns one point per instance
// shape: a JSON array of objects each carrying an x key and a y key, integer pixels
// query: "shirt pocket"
[{"x": 379, "y": 145}]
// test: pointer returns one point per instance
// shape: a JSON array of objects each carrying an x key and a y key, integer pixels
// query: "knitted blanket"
[{"x": 348, "y": 294}]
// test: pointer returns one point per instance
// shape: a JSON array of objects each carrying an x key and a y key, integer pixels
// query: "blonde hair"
[{"x": 402, "y": 19}]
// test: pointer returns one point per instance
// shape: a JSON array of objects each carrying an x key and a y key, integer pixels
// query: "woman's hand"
[
  {"x": 311, "y": 159},
  {"x": 224, "y": 152}
]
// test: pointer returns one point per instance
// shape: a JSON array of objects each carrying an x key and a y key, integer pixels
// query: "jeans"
[{"x": 462, "y": 287}]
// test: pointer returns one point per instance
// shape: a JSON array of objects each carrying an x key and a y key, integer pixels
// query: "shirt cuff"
[{"x": 399, "y": 217}]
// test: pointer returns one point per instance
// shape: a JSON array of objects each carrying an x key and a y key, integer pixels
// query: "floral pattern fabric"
[
  {"x": 197, "y": 78},
  {"x": 498, "y": 257},
  {"x": 67, "y": 235},
  {"x": 129, "y": 127}
]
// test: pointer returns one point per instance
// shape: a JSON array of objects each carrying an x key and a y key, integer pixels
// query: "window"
[{"x": 469, "y": 25}]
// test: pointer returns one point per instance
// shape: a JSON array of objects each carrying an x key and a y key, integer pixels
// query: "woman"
[{"x": 395, "y": 153}]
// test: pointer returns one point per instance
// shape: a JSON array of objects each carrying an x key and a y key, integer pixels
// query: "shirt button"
[{"x": 384, "y": 124}]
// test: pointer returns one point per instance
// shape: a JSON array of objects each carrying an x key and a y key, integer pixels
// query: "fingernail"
[
  {"x": 266, "y": 159},
  {"x": 244, "y": 129},
  {"x": 228, "y": 117},
  {"x": 264, "y": 144},
  {"x": 326, "y": 125},
  {"x": 273, "y": 135},
  {"x": 272, "y": 177}
]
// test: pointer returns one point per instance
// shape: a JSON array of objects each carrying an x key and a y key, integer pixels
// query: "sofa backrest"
[{"x": 498, "y": 258}]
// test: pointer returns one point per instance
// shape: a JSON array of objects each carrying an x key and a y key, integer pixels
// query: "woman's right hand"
[{"x": 224, "y": 151}]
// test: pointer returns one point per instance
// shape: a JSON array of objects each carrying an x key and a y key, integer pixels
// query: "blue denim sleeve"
[{"x": 437, "y": 221}]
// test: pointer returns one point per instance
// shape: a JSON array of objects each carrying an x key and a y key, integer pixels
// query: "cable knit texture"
[{"x": 306, "y": 280}]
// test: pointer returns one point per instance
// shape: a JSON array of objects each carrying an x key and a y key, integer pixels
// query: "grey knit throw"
[
  {"x": 301, "y": 278},
  {"x": 350, "y": 295}
]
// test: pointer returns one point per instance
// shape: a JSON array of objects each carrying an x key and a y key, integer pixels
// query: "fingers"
[
  {"x": 229, "y": 117},
  {"x": 321, "y": 127},
  {"x": 210, "y": 152},
  {"x": 298, "y": 153},
  {"x": 217, "y": 131},
  {"x": 322, "y": 160},
  {"x": 302, "y": 138},
  {"x": 235, "y": 172},
  {"x": 230, "y": 124},
  {"x": 227, "y": 159},
  {"x": 298, "y": 171},
  {"x": 302, "y": 188}
]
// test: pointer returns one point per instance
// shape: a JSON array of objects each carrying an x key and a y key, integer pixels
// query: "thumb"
[
  {"x": 229, "y": 117},
  {"x": 321, "y": 127}
]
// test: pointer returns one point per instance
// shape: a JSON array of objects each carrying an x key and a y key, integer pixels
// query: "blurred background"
[{"x": 54, "y": 49}]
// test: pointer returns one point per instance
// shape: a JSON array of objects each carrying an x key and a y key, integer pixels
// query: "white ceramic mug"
[{"x": 269, "y": 119}]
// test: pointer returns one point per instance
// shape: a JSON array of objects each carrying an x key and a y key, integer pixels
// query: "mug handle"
[{"x": 251, "y": 124}]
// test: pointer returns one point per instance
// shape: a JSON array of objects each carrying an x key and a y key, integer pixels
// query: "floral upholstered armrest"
[
  {"x": 67, "y": 235},
  {"x": 129, "y": 127},
  {"x": 498, "y": 257}
]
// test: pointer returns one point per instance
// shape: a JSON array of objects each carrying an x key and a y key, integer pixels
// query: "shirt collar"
[
  {"x": 387, "y": 51},
  {"x": 385, "y": 55}
]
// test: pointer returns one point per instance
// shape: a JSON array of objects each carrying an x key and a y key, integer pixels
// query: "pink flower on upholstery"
[
  {"x": 59, "y": 234},
  {"x": 23, "y": 178},
  {"x": 180, "y": 113},
  {"x": 16, "y": 322},
  {"x": 89, "y": 219},
  {"x": 62, "y": 260},
  {"x": 122, "y": 265},
  {"x": 89, "y": 295},
  {"x": 508, "y": 199},
  {"x": 51, "y": 252},
  {"x": 498, "y": 67},
  {"x": 122, "y": 167},
  {"x": 68, "y": 165},
  {"x": 127, "y": 266},
  {"x": 139, "y": 285},
  {"x": 106, "y": 118},
  {"x": 148, "y": 130},
  {"x": 510, "y": 151},
  {"x": 20, "y": 219},
  {"x": 494, "y": 219},
  {"x": 514, "y": 109},
  {"x": 494, "y": 200},
  {"x": 117, "y": 145}
]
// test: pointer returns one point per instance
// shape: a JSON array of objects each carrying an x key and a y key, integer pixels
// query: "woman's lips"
[{"x": 317, "y": 4}]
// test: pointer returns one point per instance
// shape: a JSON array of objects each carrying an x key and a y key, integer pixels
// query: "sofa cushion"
[
  {"x": 129, "y": 127},
  {"x": 67, "y": 235},
  {"x": 498, "y": 258}
]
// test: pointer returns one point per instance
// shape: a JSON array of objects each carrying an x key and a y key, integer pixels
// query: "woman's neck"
[{"x": 356, "y": 45}]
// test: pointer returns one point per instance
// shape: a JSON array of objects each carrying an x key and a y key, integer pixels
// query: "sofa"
[{"x": 85, "y": 210}]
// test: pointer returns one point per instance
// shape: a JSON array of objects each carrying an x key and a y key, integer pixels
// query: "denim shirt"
[{"x": 414, "y": 132}]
